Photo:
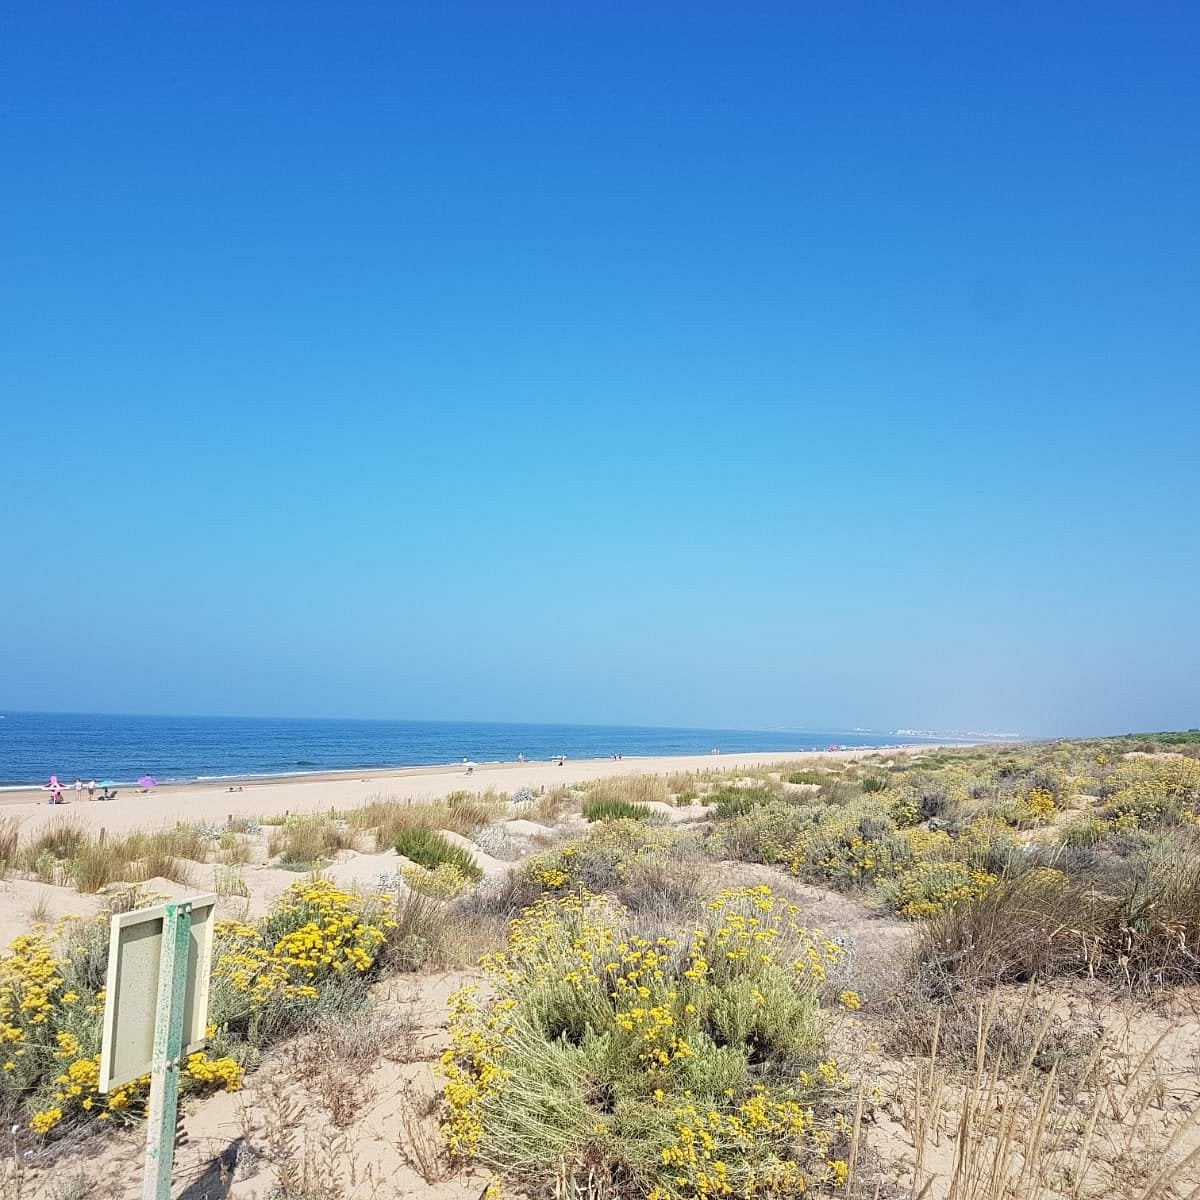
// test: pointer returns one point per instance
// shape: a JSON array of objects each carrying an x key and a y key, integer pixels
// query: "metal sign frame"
[{"x": 163, "y": 952}]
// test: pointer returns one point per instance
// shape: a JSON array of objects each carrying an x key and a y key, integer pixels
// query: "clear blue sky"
[{"x": 781, "y": 365}]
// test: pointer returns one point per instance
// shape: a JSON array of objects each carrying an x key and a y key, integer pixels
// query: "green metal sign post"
[{"x": 163, "y": 1112}]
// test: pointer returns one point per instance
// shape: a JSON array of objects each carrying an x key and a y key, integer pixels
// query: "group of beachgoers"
[
  {"x": 57, "y": 790},
  {"x": 560, "y": 759}
]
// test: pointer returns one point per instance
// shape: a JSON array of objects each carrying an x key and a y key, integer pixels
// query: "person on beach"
[
  {"x": 79, "y": 789},
  {"x": 91, "y": 789},
  {"x": 55, "y": 790}
]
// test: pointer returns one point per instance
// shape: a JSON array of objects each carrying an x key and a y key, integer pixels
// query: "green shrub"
[
  {"x": 615, "y": 810},
  {"x": 429, "y": 849},
  {"x": 818, "y": 777},
  {"x": 1083, "y": 829},
  {"x": 875, "y": 783},
  {"x": 765, "y": 833},
  {"x": 734, "y": 801}
]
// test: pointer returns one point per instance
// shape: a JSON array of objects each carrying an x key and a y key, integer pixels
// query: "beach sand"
[{"x": 214, "y": 803}]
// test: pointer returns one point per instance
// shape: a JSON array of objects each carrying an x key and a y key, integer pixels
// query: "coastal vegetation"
[
  {"x": 954, "y": 973},
  {"x": 430, "y": 849}
]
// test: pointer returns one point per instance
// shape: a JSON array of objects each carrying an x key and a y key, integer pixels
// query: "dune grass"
[
  {"x": 66, "y": 851},
  {"x": 461, "y": 812},
  {"x": 10, "y": 829},
  {"x": 306, "y": 843}
]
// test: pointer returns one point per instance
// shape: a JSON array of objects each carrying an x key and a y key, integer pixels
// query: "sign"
[
  {"x": 155, "y": 1012},
  {"x": 135, "y": 961}
]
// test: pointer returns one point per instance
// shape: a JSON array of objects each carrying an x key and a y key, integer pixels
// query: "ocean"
[{"x": 34, "y": 746}]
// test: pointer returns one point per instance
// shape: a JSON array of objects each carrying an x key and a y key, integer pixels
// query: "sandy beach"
[{"x": 213, "y": 803}]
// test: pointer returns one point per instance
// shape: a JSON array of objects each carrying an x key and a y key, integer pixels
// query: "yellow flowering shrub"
[
  {"x": 1041, "y": 803},
  {"x": 314, "y": 937},
  {"x": 1152, "y": 792},
  {"x": 692, "y": 1062},
  {"x": 443, "y": 882},
  {"x": 32, "y": 991},
  {"x": 601, "y": 858},
  {"x": 853, "y": 846},
  {"x": 315, "y": 933},
  {"x": 927, "y": 887}
]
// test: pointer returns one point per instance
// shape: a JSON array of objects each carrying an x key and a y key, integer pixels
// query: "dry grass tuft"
[
  {"x": 1010, "y": 1138},
  {"x": 9, "y": 835},
  {"x": 421, "y": 1145},
  {"x": 551, "y": 804},
  {"x": 630, "y": 789},
  {"x": 389, "y": 818},
  {"x": 62, "y": 838},
  {"x": 337, "y": 1058},
  {"x": 304, "y": 843}
]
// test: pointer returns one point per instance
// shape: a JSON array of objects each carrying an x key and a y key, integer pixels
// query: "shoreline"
[
  {"x": 213, "y": 803},
  {"x": 25, "y": 790}
]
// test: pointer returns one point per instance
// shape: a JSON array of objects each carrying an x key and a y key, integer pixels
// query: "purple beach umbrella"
[{"x": 147, "y": 781}]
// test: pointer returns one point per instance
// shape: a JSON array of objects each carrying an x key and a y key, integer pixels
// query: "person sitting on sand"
[{"x": 55, "y": 790}]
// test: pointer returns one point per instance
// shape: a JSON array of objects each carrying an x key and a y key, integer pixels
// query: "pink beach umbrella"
[{"x": 147, "y": 782}]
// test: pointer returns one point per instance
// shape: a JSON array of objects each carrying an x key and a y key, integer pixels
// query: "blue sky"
[{"x": 787, "y": 366}]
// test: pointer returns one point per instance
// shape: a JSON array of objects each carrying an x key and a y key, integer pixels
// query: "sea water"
[{"x": 34, "y": 746}]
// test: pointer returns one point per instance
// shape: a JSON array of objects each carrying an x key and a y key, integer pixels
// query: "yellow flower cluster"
[
  {"x": 43, "y": 1122},
  {"x": 1041, "y": 802},
  {"x": 77, "y": 1088},
  {"x": 742, "y": 1151},
  {"x": 755, "y": 924},
  {"x": 470, "y": 1067},
  {"x": 30, "y": 979},
  {"x": 225, "y": 1072},
  {"x": 247, "y": 965},
  {"x": 34, "y": 1000},
  {"x": 336, "y": 932}
]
